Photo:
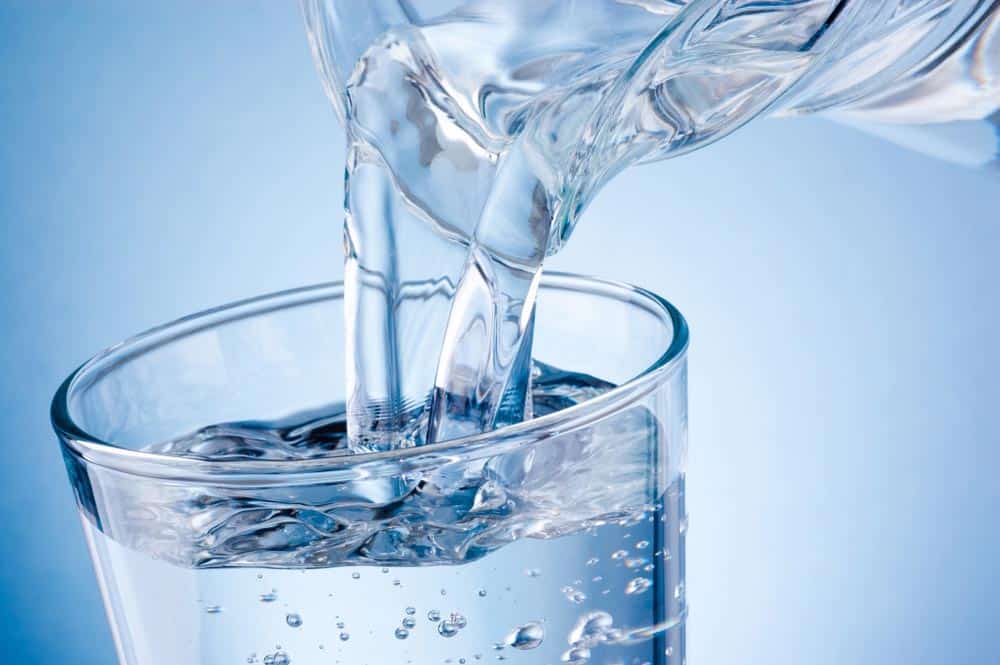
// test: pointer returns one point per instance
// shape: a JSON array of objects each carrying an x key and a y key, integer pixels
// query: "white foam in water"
[{"x": 477, "y": 134}]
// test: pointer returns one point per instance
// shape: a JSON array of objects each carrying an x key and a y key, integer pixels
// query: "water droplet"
[
  {"x": 576, "y": 655},
  {"x": 593, "y": 561},
  {"x": 482, "y": 593},
  {"x": 356, "y": 575},
  {"x": 213, "y": 609},
  {"x": 409, "y": 622},
  {"x": 402, "y": 633},
  {"x": 642, "y": 544},
  {"x": 637, "y": 585},
  {"x": 411, "y": 611},
  {"x": 532, "y": 572},
  {"x": 344, "y": 637},
  {"x": 525, "y": 637},
  {"x": 447, "y": 629},
  {"x": 268, "y": 597},
  {"x": 434, "y": 615},
  {"x": 293, "y": 620},
  {"x": 619, "y": 554},
  {"x": 590, "y": 629}
]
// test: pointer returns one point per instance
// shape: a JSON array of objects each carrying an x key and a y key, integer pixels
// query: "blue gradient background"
[{"x": 842, "y": 294}]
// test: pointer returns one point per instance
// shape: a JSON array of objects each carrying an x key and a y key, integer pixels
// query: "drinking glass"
[{"x": 561, "y": 537}]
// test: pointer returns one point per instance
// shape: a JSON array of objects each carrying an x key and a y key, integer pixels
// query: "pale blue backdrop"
[{"x": 842, "y": 293}]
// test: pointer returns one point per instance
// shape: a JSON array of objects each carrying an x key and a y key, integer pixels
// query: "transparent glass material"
[{"x": 561, "y": 537}]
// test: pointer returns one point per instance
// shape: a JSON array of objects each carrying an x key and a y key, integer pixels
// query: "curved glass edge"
[{"x": 93, "y": 450}]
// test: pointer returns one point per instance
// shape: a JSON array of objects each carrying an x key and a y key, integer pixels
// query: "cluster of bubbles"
[
  {"x": 407, "y": 623},
  {"x": 574, "y": 595},
  {"x": 591, "y": 629},
  {"x": 279, "y": 657}
]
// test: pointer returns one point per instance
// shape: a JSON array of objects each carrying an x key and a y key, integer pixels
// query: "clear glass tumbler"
[{"x": 558, "y": 538}]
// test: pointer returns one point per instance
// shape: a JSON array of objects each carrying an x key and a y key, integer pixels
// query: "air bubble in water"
[
  {"x": 593, "y": 561},
  {"x": 434, "y": 615},
  {"x": 590, "y": 629},
  {"x": 619, "y": 554},
  {"x": 576, "y": 655},
  {"x": 213, "y": 609},
  {"x": 410, "y": 611},
  {"x": 637, "y": 585},
  {"x": 268, "y": 597},
  {"x": 356, "y": 575},
  {"x": 397, "y": 583},
  {"x": 385, "y": 571},
  {"x": 293, "y": 620},
  {"x": 402, "y": 633},
  {"x": 340, "y": 625},
  {"x": 281, "y": 658},
  {"x": 447, "y": 629},
  {"x": 482, "y": 593},
  {"x": 525, "y": 637},
  {"x": 458, "y": 619},
  {"x": 532, "y": 572},
  {"x": 636, "y": 562},
  {"x": 344, "y": 637},
  {"x": 409, "y": 622},
  {"x": 642, "y": 544}
]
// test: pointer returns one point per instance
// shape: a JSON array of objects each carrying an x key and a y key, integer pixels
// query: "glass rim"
[{"x": 359, "y": 466}]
